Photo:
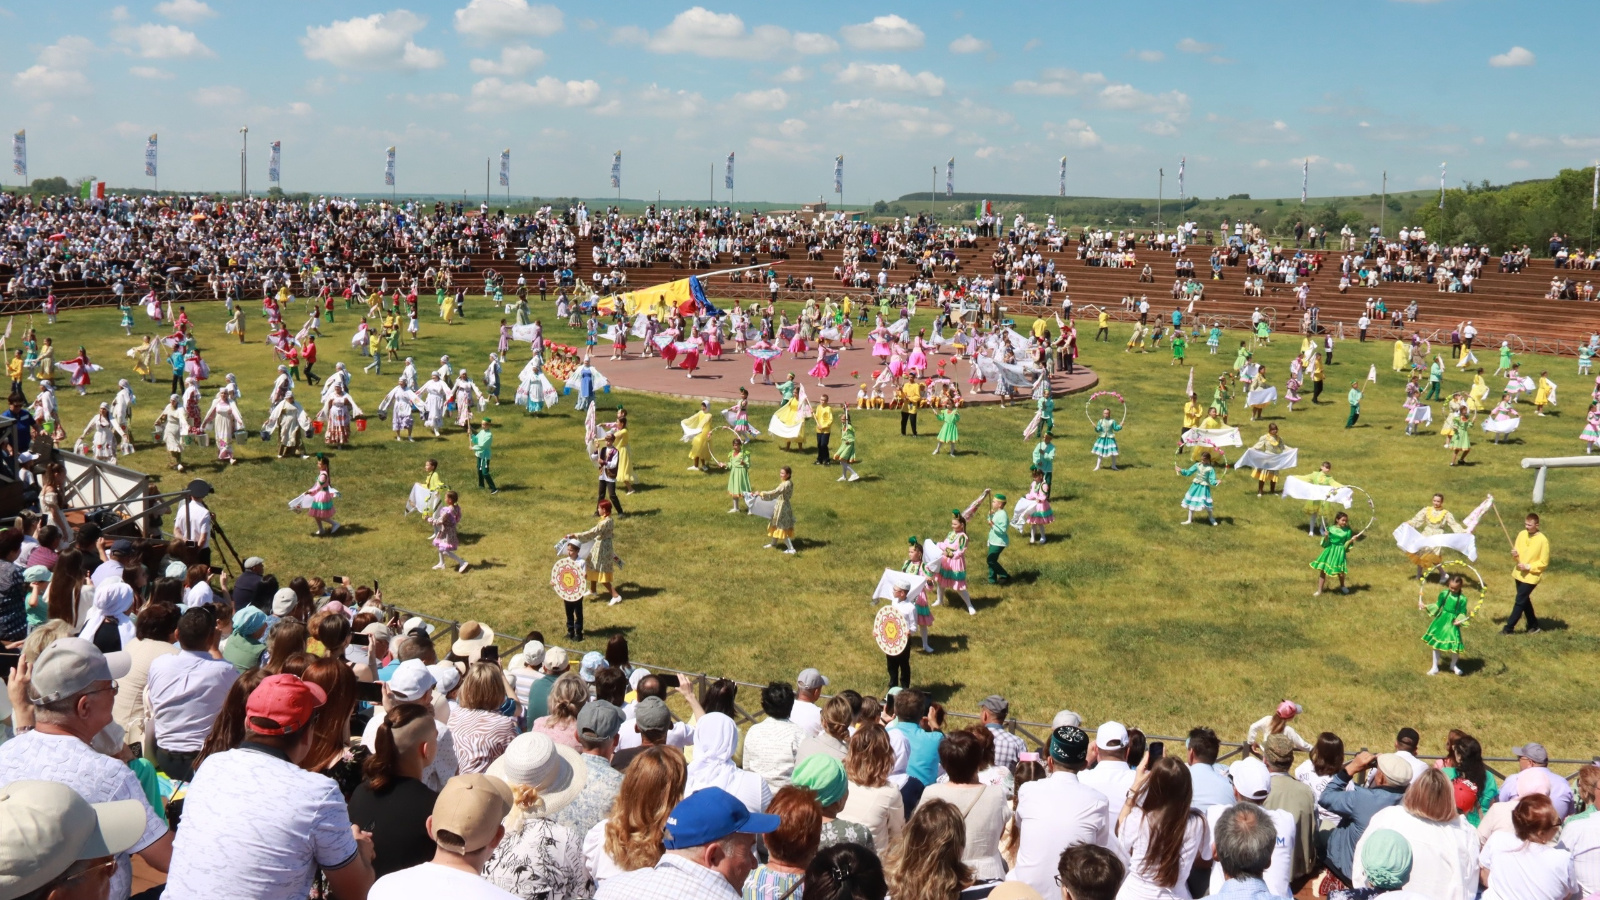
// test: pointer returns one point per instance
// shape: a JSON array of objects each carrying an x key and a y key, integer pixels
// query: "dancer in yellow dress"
[
  {"x": 1545, "y": 394},
  {"x": 619, "y": 431},
  {"x": 1402, "y": 356},
  {"x": 1267, "y": 479},
  {"x": 1321, "y": 509},
  {"x": 1478, "y": 393},
  {"x": 698, "y": 428},
  {"x": 782, "y": 497},
  {"x": 1430, "y": 521}
]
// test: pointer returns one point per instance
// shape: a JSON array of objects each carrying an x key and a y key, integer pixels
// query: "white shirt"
[
  {"x": 1055, "y": 814},
  {"x": 1519, "y": 870},
  {"x": 1282, "y": 868},
  {"x": 600, "y": 864},
  {"x": 186, "y": 692},
  {"x": 430, "y": 880},
  {"x": 256, "y": 827},
  {"x": 680, "y": 735},
  {"x": 1417, "y": 765},
  {"x": 199, "y": 595},
  {"x": 1111, "y": 777},
  {"x": 1135, "y": 838},
  {"x": 36, "y": 756},
  {"x": 1444, "y": 856},
  {"x": 1581, "y": 835},
  {"x": 808, "y": 716},
  {"x": 192, "y": 523},
  {"x": 769, "y": 751}
]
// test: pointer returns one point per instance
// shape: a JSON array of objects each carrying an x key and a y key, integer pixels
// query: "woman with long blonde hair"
[
  {"x": 632, "y": 837},
  {"x": 925, "y": 862}
]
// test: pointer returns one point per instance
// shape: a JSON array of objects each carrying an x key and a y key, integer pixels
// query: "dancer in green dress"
[
  {"x": 1220, "y": 397},
  {"x": 738, "y": 473},
  {"x": 1444, "y": 632},
  {"x": 1335, "y": 544},
  {"x": 846, "y": 455},
  {"x": 1105, "y": 443},
  {"x": 1203, "y": 477},
  {"x": 948, "y": 416},
  {"x": 1459, "y": 424}
]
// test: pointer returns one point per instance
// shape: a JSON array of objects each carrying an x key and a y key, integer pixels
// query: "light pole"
[{"x": 244, "y": 160}]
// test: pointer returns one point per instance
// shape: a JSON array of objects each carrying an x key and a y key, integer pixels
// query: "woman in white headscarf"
[
  {"x": 715, "y": 738},
  {"x": 110, "y": 627}
]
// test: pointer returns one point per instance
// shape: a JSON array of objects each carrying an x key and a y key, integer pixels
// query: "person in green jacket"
[
  {"x": 1355, "y": 404},
  {"x": 482, "y": 448},
  {"x": 999, "y": 538}
]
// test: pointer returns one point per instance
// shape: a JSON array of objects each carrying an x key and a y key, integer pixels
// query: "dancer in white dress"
[
  {"x": 225, "y": 418},
  {"x": 403, "y": 403}
]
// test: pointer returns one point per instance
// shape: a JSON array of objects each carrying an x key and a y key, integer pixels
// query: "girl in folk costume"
[
  {"x": 1431, "y": 521},
  {"x": 1193, "y": 412},
  {"x": 949, "y": 432},
  {"x": 144, "y": 357},
  {"x": 237, "y": 323},
  {"x": 1478, "y": 393},
  {"x": 738, "y": 473},
  {"x": 173, "y": 428},
  {"x": 435, "y": 394},
  {"x": 225, "y": 418},
  {"x": 403, "y": 403},
  {"x": 337, "y": 411},
  {"x": 914, "y": 565},
  {"x": 122, "y": 405},
  {"x": 741, "y": 328},
  {"x": 846, "y": 455},
  {"x": 1258, "y": 382},
  {"x": 1458, "y": 426},
  {"x": 505, "y": 339},
  {"x": 445, "y": 540},
  {"x": 1503, "y": 411},
  {"x": 1105, "y": 442},
  {"x": 619, "y": 339},
  {"x": 193, "y": 419},
  {"x": 1202, "y": 478},
  {"x": 101, "y": 434},
  {"x": 619, "y": 432},
  {"x": 288, "y": 420},
  {"x": 759, "y": 366},
  {"x": 79, "y": 367},
  {"x": 1266, "y": 479},
  {"x": 45, "y": 362},
  {"x": 1449, "y": 613},
  {"x": 466, "y": 395},
  {"x": 826, "y": 359},
  {"x": 491, "y": 378},
  {"x": 1291, "y": 388},
  {"x": 782, "y": 497},
  {"x": 713, "y": 337},
  {"x": 953, "y": 565},
  {"x": 1220, "y": 397},
  {"x": 1040, "y": 515},
  {"x": 599, "y": 565},
  {"x": 127, "y": 318},
  {"x": 1544, "y": 394},
  {"x": 1335, "y": 545},
  {"x": 321, "y": 496},
  {"x": 691, "y": 356},
  {"x": 1320, "y": 509},
  {"x": 917, "y": 363},
  {"x": 697, "y": 431},
  {"x": 1591, "y": 429},
  {"x": 738, "y": 416}
]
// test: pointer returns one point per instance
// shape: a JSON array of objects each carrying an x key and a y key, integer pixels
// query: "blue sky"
[{"x": 1006, "y": 89}]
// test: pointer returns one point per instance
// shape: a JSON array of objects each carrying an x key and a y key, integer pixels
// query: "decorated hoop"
[
  {"x": 711, "y": 445},
  {"x": 1271, "y": 314},
  {"x": 1372, "y": 511},
  {"x": 889, "y": 630},
  {"x": 1219, "y": 457},
  {"x": 566, "y": 576},
  {"x": 1088, "y": 406},
  {"x": 1461, "y": 567}
]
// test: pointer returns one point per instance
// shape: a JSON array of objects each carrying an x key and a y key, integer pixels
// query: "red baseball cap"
[{"x": 282, "y": 704}]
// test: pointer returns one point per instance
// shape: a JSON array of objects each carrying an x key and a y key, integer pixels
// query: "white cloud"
[
  {"x": 1190, "y": 45},
  {"x": 59, "y": 69},
  {"x": 513, "y": 61},
  {"x": 1060, "y": 83},
  {"x": 881, "y": 77},
  {"x": 506, "y": 20},
  {"x": 988, "y": 152},
  {"x": 129, "y": 129},
  {"x": 1159, "y": 128},
  {"x": 1149, "y": 56},
  {"x": 1516, "y": 56},
  {"x": 1527, "y": 141},
  {"x": 432, "y": 100},
  {"x": 668, "y": 103},
  {"x": 1074, "y": 133},
  {"x": 1517, "y": 164},
  {"x": 493, "y": 95},
  {"x": 973, "y": 112},
  {"x": 769, "y": 100},
  {"x": 221, "y": 95},
  {"x": 378, "y": 41},
  {"x": 1580, "y": 143},
  {"x": 792, "y": 75},
  {"x": 792, "y": 127},
  {"x": 724, "y": 36},
  {"x": 151, "y": 41},
  {"x": 968, "y": 44},
  {"x": 894, "y": 120},
  {"x": 186, "y": 11},
  {"x": 883, "y": 33},
  {"x": 150, "y": 72},
  {"x": 1344, "y": 168}
]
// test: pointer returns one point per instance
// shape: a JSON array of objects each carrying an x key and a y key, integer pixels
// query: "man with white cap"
[
  {"x": 806, "y": 713},
  {"x": 255, "y": 824},
  {"x": 286, "y": 604},
  {"x": 1110, "y": 774},
  {"x": 414, "y": 682},
  {"x": 466, "y": 826},
  {"x": 55, "y": 845},
  {"x": 1251, "y": 784},
  {"x": 71, "y": 688}
]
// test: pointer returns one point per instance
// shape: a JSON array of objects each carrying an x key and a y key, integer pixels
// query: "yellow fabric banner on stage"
[{"x": 658, "y": 301}]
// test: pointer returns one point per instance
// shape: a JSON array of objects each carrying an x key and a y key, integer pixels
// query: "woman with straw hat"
[{"x": 537, "y": 857}]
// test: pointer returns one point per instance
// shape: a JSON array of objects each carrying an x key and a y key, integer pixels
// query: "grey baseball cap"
[
  {"x": 652, "y": 715},
  {"x": 599, "y": 720},
  {"x": 71, "y": 665}
]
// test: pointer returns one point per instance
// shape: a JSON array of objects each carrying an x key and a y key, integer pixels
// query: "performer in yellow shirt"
[
  {"x": 1103, "y": 323},
  {"x": 822, "y": 418},
  {"x": 1532, "y": 556},
  {"x": 911, "y": 399}
]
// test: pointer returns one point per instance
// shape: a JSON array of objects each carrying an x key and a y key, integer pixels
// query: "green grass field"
[{"x": 1122, "y": 614}]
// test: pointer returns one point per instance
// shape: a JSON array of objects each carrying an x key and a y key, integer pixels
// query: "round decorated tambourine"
[
  {"x": 566, "y": 577},
  {"x": 1089, "y": 405},
  {"x": 889, "y": 630},
  {"x": 1450, "y": 567}
]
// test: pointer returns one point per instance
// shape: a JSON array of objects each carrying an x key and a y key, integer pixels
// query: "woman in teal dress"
[
  {"x": 738, "y": 473},
  {"x": 127, "y": 318},
  {"x": 1105, "y": 442},
  {"x": 1335, "y": 544},
  {"x": 948, "y": 416},
  {"x": 1202, "y": 478},
  {"x": 1220, "y": 397},
  {"x": 1444, "y": 632},
  {"x": 846, "y": 454}
]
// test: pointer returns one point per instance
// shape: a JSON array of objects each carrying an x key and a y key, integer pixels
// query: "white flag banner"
[
  {"x": 1470, "y": 523},
  {"x": 1182, "y": 161},
  {"x": 1220, "y": 437},
  {"x": 1594, "y": 199},
  {"x": 1305, "y": 178},
  {"x": 505, "y": 168},
  {"x": 892, "y": 579},
  {"x": 150, "y": 157},
  {"x": 1262, "y": 396},
  {"x": 1372, "y": 374},
  {"x": 1061, "y": 185},
  {"x": 273, "y": 162},
  {"x": 1441, "y": 185},
  {"x": 616, "y": 170},
  {"x": 388, "y": 168},
  {"x": 1297, "y": 488},
  {"x": 1269, "y": 462},
  {"x": 19, "y": 153},
  {"x": 1420, "y": 415},
  {"x": 950, "y": 177},
  {"x": 838, "y": 175},
  {"x": 1411, "y": 540},
  {"x": 727, "y": 176}
]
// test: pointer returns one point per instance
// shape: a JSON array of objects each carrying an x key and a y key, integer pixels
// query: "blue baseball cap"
[{"x": 709, "y": 815}]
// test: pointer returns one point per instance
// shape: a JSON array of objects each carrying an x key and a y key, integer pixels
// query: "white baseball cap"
[
  {"x": 46, "y": 826},
  {"x": 1111, "y": 736}
]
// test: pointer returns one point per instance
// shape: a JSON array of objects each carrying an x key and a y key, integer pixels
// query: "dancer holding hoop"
[
  {"x": 1335, "y": 545},
  {"x": 1105, "y": 442},
  {"x": 1202, "y": 478},
  {"x": 1449, "y": 613},
  {"x": 738, "y": 473}
]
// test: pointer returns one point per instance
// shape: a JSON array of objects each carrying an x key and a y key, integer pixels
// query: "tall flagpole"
[{"x": 1383, "y": 202}]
